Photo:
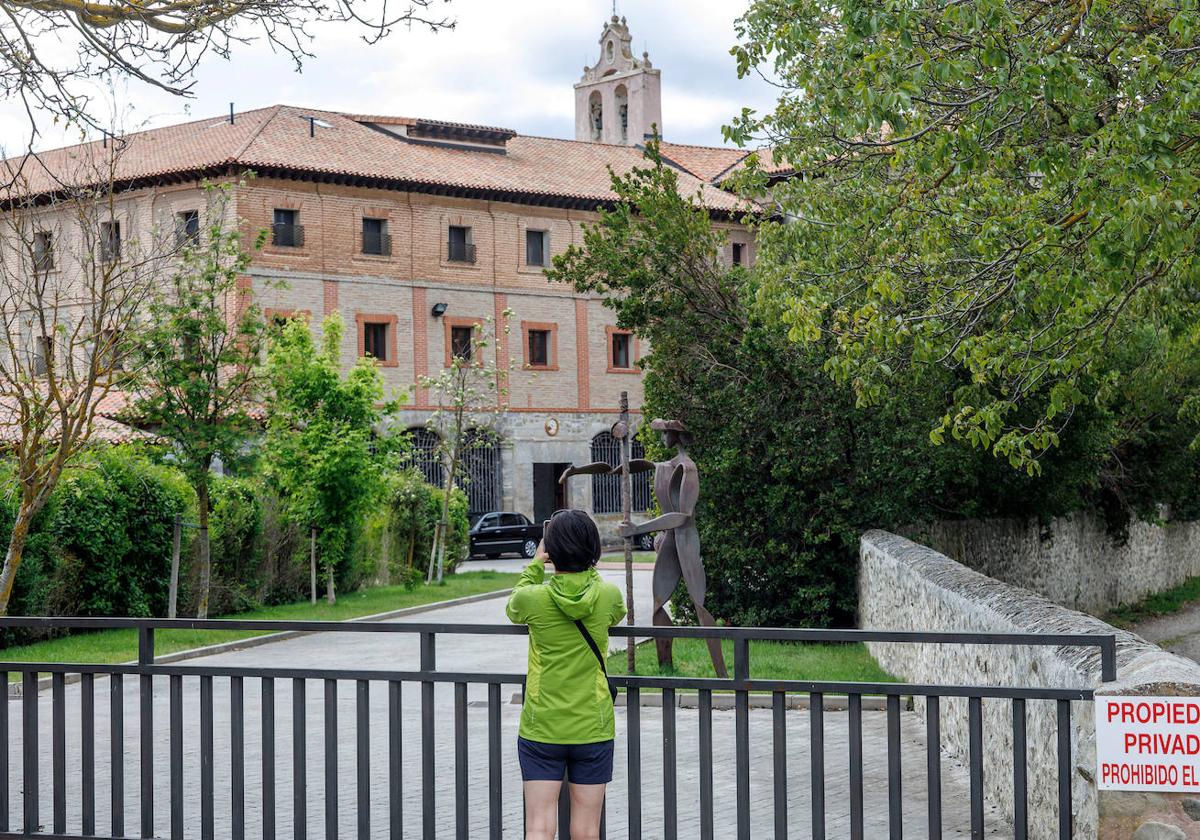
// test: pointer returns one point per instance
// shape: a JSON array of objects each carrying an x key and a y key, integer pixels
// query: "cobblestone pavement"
[{"x": 498, "y": 654}]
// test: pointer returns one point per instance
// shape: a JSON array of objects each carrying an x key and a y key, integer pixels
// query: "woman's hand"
[{"x": 541, "y": 554}]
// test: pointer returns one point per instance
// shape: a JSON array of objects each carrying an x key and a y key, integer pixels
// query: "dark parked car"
[{"x": 499, "y": 532}]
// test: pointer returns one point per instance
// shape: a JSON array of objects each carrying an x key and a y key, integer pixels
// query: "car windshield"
[{"x": 473, "y": 518}]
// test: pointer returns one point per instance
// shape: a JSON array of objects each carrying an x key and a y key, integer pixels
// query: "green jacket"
[{"x": 566, "y": 695}]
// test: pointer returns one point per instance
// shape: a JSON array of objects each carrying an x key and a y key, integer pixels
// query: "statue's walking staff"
[{"x": 677, "y": 488}]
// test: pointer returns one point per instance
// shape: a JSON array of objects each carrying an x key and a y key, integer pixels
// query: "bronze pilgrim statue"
[{"x": 677, "y": 489}]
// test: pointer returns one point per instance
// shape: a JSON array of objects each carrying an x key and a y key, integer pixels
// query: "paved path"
[
  {"x": 1178, "y": 632},
  {"x": 499, "y": 654}
]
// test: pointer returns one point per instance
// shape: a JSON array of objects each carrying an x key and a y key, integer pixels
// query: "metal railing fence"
[{"x": 79, "y": 799}]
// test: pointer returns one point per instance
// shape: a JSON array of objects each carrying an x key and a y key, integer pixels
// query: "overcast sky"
[{"x": 510, "y": 64}]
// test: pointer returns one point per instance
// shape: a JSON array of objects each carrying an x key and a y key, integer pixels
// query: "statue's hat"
[{"x": 668, "y": 426}]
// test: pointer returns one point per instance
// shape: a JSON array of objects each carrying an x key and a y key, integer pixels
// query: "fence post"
[
  {"x": 1140, "y": 811},
  {"x": 176, "y": 540}
]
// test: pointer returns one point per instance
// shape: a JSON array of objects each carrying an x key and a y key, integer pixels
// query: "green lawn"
[
  {"x": 768, "y": 660},
  {"x": 619, "y": 557},
  {"x": 109, "y": 646},
  {"x": 1162, "y": 603}
]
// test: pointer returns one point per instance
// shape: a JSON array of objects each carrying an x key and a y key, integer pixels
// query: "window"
[
  {"x": 41, "y": 355},
  {"x": 536, "y": 250},
  {"x": 738, "y": 253},
  {"x": 187, "y": 228},
  {"x": 43, "y": 251},
  {"x": 375, "y": 239},
  {"x": 606, "y": 489},
  {"x": 287, "y": 232},
  {"x": 424, "y": 455},
  {"x": 621, "y": 357},
  {"x": 539, "y": 348},
  {"x": 375, "y": 341},
  {"x": 110, "y": 241},
  {"x": 460, "y": 342},
  {"x": 459, "y": 246},
  {"x": 108, "y": 350}
]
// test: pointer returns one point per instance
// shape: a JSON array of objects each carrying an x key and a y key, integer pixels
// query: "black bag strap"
[{"x": 587, "y": 637}]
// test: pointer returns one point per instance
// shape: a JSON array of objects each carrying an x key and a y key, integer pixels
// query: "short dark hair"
[{"x": 572, "y": 541}]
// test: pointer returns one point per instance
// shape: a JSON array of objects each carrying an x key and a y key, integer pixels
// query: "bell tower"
[{"x": 619, "y": 98}]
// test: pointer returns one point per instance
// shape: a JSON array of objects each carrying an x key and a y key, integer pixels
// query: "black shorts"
[{"x": 584, "y": 764}]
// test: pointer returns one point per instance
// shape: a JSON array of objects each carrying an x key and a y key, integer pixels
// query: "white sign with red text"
[{"x": 1148, "y": 743}]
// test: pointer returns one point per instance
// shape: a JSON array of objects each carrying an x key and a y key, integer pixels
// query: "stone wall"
[
  {"x": 906, "y": 586},
  {"x": 1072, "y": 561}
]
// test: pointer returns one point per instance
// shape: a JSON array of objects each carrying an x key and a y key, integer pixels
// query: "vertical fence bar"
[
  {"x": 116, "y": 746},
  {"x": 362, "y": 730},
  {"x": 395, "y": 764},
  {"x": 237, "y": 758},
  {"x": 634, "y": 706},
  {"x": 175, "y": 722},
  {"x": 299, "y": 759},
  {"x": 856, "y": 767},
  {"x": 460, "y": 760},
  {"x": 428, "y": 782},
  {"x": 706, "y": 765},
  {"x": 58, "y": 737},
  {"x": 87, "y": 753},
  {"x": 4, "y": 755},
  {"x": 670, "y": 781},
  {"x": 975, "y": 747},
  {"x": 495, "y": 768},
  {"x": 816, "y": 712},
  {"x": 30, "y": 750},
  {"x": 268, "y": 759},
  {"x": 933, "y": 764},
  {"x": 146, "y": 730},
  {"x": 741, "y": 673},
  {"x": 1020, "y": 772},
  {"x": 331, "y": 760},
  {"x": 1064, "y": 769},
  {"x": 207, "y": 827},
  {"x": 779, "y": 753},
  {"x": 146, "y": 742},
  {"x": 895, "y": 800}
]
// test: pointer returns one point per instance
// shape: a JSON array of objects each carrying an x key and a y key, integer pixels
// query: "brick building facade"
[{"x": 411, "y": 227}]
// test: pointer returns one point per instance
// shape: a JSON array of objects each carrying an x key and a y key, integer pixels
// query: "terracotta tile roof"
[
  {"x": 770, "y": 162},
  {"x": 705, "y": 162},
  {"x": 104, "y": 428},
  {"x": 277, "y": 139}
]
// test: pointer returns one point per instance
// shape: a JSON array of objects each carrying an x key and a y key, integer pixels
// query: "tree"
[
  {"x": 1004, "y": 190},
  {"x": 71, "y": 286},
  {"x": 51, "y": 51},
  {"x": 199, "y": 352},
  {"x": 791, "y": 471},
  {"x": 321, "y": 446},
  {"x": 469, "y": 396}
]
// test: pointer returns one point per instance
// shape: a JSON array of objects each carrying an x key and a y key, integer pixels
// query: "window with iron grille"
[
  {"x": 459, "y": 247},
  {"x": 375, "y": 238},
  {"x": 375, "y": 340},
  {"x": 460, "y": 342},
  {"x": 606, "y": 489},
  {"x": 539, "y": 348},
  {"x": 479, "y": 472},
  {"x": 286, "y": 231},
  {"x": 43, "y": 251},
  {"x": 536, "y": 247},
  {"x": 622, "y": 350},
  {"x": 41, "y": 355},
  {"x": 424, "y": 455},
  {"x": 187, "y": 228},
  {"x": 110, "y": 241},
  {"x": 738, "y": 253}
]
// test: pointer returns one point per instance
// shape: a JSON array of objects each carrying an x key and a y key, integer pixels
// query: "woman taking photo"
[{"x": 567, "y": 721}]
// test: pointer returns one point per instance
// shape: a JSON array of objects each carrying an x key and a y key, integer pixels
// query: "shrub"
[{"x": 413, "y": 509}]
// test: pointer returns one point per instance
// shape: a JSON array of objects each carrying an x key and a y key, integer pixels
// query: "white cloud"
[{"x": 510, "y": 64}]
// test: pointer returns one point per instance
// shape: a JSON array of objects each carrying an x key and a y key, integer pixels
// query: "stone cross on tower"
[{"x": 619, "y": 98}]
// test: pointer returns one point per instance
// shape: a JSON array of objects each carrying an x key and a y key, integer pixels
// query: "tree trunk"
[
  {"x": 204, "y": 548},
  {"x": 330, "y": 597},
  {"x": 312, "y": 564},
  {"x": 14, "y": 554}
]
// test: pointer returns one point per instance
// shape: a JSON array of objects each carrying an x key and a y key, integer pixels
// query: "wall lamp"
[{"x": 439, "y": 309}]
